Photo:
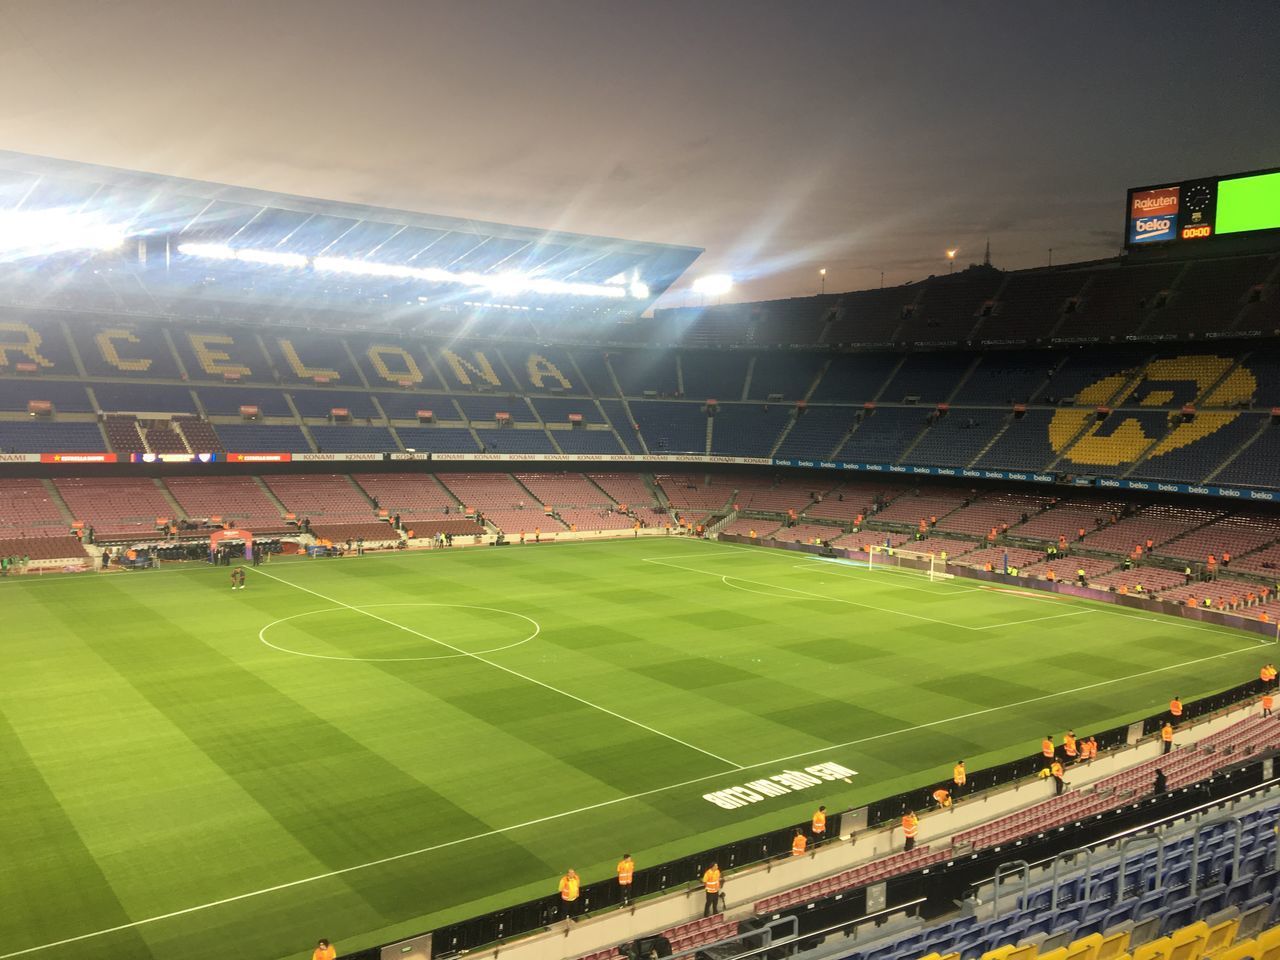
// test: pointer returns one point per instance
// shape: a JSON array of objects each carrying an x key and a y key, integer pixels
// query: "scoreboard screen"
[{"x": 1200, "y": 209}]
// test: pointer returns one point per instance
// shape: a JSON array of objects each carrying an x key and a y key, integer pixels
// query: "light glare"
[
  {"x": 31, "y": 233},
  {"x": 713, "y": 284}
]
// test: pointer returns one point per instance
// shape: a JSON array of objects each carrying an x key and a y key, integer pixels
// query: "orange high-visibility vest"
[
  {"x": 798, "y": 843},
  {"x": 819, "y": 824},
  {"x": 569, "y": 888},
  {"x": 711, "y": 880},
  {"x": 1069, "y": 745},
  {"x": 910, "y": 825},
  {"x": 1046, "y": 747},
  {"x": 626, "y": 870},
  {"x": 958, "y": 775},
  {"x": 942, "y": 796},
  {"x": 1056, "y": 769},
  {"x": 1267, "y": 701},
  {"x": 1166, "y": 733},
  {"x": 1175, "y": 707}
]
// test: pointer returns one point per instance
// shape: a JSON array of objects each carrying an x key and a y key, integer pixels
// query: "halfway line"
[{"x": 498, "y": 666}]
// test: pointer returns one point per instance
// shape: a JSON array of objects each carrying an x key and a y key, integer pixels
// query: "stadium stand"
[
  {"x": 708, "y": 375},
  {"x": 957, "y": 438},
  {"x": 670, "y": 426},
  {"x": 259, "y": 438},
  {"x": 593, "y": 442},
  {"x": 1030, "y": 304},
  {"x": 884, "y": 434},
  {"x": 926, "y": 377},
  {"x": 854, "y": 377},
  {"x": 788, "y": 376},
  {"x": 815, "y": 432},
  {"x": 514, "y": 440},
  {"x": 28, "y": 510},
  {"x": 65, "y": 396},
  {"x": 118, "y": 508},
  {"x": 1253, "y": 465},
  {"x": 950, "y": 307},
  {"x": 326, "y": 498},
  {"x": 747, "y": 430},
  {"x": 559, "y": 409},
  {"x": 502, "y": 501},
  {"x": 1007, "y": 377},
  {"x": 40, "y": 437},
  {"x": 239, "y": 500}
]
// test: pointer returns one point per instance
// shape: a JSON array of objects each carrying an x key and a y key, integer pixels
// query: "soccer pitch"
[{"x": 367, "y": 748}]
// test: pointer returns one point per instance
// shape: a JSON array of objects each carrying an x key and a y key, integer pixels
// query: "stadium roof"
[{"x": 198, "y": 212}]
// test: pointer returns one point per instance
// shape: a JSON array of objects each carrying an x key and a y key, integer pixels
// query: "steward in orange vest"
[
  {"x": 818, "y": 826},
  {"x": 910, "y": 827},
  {"x": 711, "y": 884},
  {"x": 626, "y": 873},
  {"x": 798, "y": 843}
]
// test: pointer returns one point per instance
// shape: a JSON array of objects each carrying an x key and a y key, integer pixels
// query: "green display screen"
[{"x": 1249, "y": 203}]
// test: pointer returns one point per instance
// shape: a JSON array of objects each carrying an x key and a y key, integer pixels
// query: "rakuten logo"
[{"x": 1150, "y": 202}]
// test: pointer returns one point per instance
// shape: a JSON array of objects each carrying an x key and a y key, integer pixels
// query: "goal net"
[{"x": 908, "y": 561}]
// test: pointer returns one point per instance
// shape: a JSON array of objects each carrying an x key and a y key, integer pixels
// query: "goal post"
[{"x": 910, "y": 561}]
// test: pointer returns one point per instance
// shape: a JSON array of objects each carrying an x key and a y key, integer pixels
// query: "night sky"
[{"x": 781, "y": 136}]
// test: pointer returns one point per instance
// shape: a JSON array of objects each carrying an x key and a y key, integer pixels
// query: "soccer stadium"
[{"x": 399, "y": 585}]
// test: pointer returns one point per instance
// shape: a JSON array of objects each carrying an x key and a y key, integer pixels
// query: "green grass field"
[{"x": 367, "y": 748}]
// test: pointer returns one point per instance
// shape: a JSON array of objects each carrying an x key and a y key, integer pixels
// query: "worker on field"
[
  {"x": 1093, "y": 747},
  {"x": 818, "y": 825},
  {"x": 942, "y": 797},
  {"x": 1268, "y": 701},
  {"x": 324, "y": 951},
  {"x": 626, "y": 873},
  {"x": 570, "y": 888},
  {"x": 1081, "y": 578},
  {"x": 910, "y": 827},
  {"x": 1056, "y": 771},
  {"x": 798, "y": 843},
  {"x": 1046, "y": 747},
  {"x": 711, "y": 884},
  {"x": 958, "y": 776},
  {"x": 1175, "y": 709},
  {"x": 1166, "y": 734},
  {"x": 1069, "y": 746}
]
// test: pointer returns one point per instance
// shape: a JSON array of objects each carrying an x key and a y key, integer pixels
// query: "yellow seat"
[
  {"x": 1244, "y": 950},
  {"x": 1027, "y": 952},
  {"x": 1189, "y": 942},
  {"x": 1221, "y": 936},
  {"x": 1086, "y": 948},
  {"x": 1155, "y": 950},
  {"x": 999, "y": 953},
  {"x": 1269, "y": 944},
  {"x": 1114, "y": 946}
]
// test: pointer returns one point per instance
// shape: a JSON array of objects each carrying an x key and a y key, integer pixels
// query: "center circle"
[{"x": 454, "y": 641}]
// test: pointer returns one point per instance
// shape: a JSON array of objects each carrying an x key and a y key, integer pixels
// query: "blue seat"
[
  {"x": 1149, "y": 903},
  {"x": 1211, "y": 900},
  {"x": 1121, "y": 913},
  {"x": 1179, "y": 914},
  {"x": 1265, "y": 882}
]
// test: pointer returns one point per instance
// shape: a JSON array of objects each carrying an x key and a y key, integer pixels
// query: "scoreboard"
[{"x": 1200, "y": 209}]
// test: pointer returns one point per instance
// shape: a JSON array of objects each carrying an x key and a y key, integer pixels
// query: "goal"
[{"x": 908, "y": 561}]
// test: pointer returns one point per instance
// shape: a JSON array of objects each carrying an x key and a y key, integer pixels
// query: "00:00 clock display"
[{"x": 1194, "y": 233}]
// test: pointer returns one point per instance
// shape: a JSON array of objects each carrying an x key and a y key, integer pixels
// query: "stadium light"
[
  {"x": 220, "y": 251},
  {"x": 951, "y": 260},
  {"x": 506, "y": 284},
  {"x": 639, "y": 290},
  {"x": 32, "y": 233},
  {"x": 713, "y": 284}
]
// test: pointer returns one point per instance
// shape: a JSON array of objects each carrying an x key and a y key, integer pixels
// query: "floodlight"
[
  {"x": 30, "y": 233},
  {"x": 951, "y": 254},
  {"x": 713, "y": 284},
  {"x": 639, "y": 290},
  {"x": 210, "y": 251},
  {"x": 272, "y": 258}
]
